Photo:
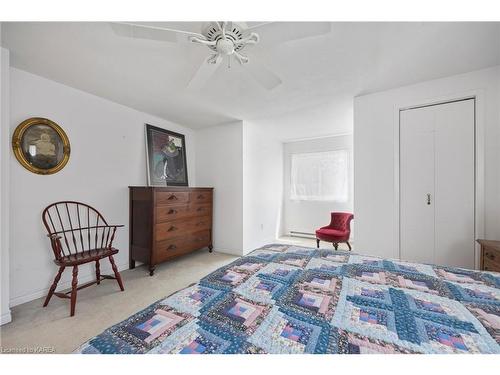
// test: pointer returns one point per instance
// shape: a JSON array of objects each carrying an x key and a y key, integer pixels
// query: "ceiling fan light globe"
[{"x": 225, "y": 47}]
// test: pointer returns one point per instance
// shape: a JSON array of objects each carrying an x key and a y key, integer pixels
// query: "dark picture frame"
[{"x": 166, "y": 157}]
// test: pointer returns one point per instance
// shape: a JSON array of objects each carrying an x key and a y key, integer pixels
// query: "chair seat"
[
  {"x": 86, "y": 256},
  {"x": 330, "y": 234}
]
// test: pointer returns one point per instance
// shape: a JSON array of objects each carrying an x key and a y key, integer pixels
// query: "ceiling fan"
[{"x": 227, "y": 41}]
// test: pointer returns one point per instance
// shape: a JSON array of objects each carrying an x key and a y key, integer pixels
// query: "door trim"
[{"x": 477, "y": 96}]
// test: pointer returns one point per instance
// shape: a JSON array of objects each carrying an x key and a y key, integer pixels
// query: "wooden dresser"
[
  {"x": 166, "y": 222},
  {"x": 490, "y": 255}
]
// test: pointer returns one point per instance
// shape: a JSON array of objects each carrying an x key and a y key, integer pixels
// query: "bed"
[{"x": 290, "y": 299}]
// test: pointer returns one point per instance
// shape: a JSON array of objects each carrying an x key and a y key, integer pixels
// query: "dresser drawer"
[
  {"x": 172, "y": 212},
  {"x": 181, "y": 211},
  {"x": 491, "y": 254},
  {"x": 200, "y": 197},
  {"x": 201, "y": 209},
  {"x": 178, "y": 228},
  {"x": 171, "y": 248},
  {"x": 488, "y": 265},
  {"x": 171, "y": 197}
]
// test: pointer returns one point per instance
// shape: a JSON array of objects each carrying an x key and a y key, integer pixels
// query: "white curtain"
[{"x": 320, "y": 176}]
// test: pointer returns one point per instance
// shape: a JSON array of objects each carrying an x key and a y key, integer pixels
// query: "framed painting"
[
  {"x": 41, "y": 146},
  {"x": 166, "y": 157}
]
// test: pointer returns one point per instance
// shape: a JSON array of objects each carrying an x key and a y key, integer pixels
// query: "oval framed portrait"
[{"x": 41, "y": 146}]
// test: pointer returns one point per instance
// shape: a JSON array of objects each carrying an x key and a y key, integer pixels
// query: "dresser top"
[
  {"x": 490, "y": 243},
  {"x": 172, "y": 188}
]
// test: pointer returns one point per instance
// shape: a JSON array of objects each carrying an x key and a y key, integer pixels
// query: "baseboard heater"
[{"x": 302, "y": 234}]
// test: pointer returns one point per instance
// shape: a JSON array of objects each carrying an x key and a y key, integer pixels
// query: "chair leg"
[
  {"x": 74, "y": 285},
  {"x": 349, "y": 245},
  {"x": 97, "y": 271},
  {"x": 53, "y": 286},
  {"x": 336, "y": 246},
  {"x": 317, "y": 243},
  {"x": 117, "y": 274}
]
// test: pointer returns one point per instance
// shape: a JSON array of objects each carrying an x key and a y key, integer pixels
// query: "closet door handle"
[{"x": 428, "y": 199}]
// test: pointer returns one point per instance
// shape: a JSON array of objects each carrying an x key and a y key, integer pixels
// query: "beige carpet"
[{"x": 100, "y": 306}]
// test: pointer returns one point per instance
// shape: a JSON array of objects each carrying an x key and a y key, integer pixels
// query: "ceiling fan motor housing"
[{"x": 234, "y": 33}]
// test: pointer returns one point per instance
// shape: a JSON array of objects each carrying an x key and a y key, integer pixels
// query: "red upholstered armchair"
[{"x": 338, "y": 231}]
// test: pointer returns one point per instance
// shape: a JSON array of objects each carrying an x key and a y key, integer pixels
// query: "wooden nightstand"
[{"x": 490, "y": 255}]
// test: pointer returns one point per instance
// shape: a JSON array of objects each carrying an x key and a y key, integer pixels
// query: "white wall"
[
  {"x": 243, "y": 160},
  {"x": 107, "y": 155},
  {"x": 5, "y": 316},
  {"x": 265, "y": 165},
  {"x": 262, "y": 186},
  {"x": 307, "y": 216},
  {"x": 375, "y": 144},
  {"x": 219, "y": 164}
]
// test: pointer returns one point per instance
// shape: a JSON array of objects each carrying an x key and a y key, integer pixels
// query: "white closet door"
[
  {"x": 454, "y": 202},
  {"x": 416, "y": 181},
  {"x": 437, "y": 184}
]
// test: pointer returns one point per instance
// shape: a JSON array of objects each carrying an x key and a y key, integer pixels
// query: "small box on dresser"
[
  {"x": 490, "y": 255},
  {"x": 167, "y": 222}
]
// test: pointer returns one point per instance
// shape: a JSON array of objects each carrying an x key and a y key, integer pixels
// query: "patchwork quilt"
[{"x": 289, "y": 299}]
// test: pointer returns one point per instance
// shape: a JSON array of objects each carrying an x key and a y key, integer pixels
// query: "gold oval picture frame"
[{"x": 41, "y": 146}]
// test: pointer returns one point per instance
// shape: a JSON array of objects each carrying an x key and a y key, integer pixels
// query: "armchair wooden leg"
[
  {"x": 117, "y": 274},
  {"x": 336, "y": 246},
  {"x": 74, "y": 285},
  {"x": 97, "y": 272},
  {"x": 53, "y": 286},
  {"x": 317, "y": 243},
  {"x": 349, "y": 245}
]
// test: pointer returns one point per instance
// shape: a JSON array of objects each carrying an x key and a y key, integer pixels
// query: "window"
[{"x": 320, "y": 176}]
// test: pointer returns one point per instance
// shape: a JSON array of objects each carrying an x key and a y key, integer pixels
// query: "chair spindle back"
[{"x": 75, "y": 228}]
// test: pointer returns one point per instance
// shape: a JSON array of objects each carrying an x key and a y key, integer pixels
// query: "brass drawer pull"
[
  {"x": 490, "y": 256},
  {"x": 172, "y": 247},
  {"x": 172, "y": 211},
  {"x": 172, "y": 228},
  {"x": 172, "y": 197}
]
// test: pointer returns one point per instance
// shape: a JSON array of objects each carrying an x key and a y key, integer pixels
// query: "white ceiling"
[{"x": 354, "y": 58}]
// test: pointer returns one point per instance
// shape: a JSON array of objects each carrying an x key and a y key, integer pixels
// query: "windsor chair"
[{"x": 79, "y": 234}]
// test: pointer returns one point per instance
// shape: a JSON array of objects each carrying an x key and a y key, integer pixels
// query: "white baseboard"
[
  {"x": 62, "y": 286},
  {"x": 230, "y": 252},
  {"x": 5, "y": 318}
]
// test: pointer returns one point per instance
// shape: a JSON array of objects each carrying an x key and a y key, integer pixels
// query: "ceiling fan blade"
[
  {"x": 203, "y": 74},
  {"x": 262, "y": 75},
  {"x": 281, "y": 32},
  {"x": 138, "y": 31}
]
